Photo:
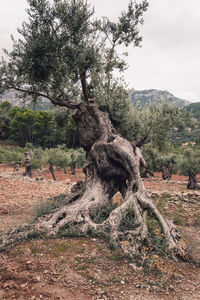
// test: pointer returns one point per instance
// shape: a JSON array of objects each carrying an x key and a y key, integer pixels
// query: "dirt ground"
[{"x": 85, "y": 268}]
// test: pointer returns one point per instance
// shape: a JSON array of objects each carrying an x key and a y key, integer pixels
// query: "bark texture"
[
  {"x": 112, "y": 166},
  {"x": 192, "y": 181},
  {"x": 28, "y": 170},
  {"x": 166, "y": 171}
]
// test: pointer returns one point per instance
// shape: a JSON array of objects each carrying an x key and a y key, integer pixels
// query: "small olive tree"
[{"x": 189, "y": 164}]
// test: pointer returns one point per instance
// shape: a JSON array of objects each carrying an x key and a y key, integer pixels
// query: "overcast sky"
[{"x": 170, "y": 55}]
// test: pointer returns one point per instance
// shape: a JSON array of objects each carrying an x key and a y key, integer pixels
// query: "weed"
[
  {"x": 195, "y": 262},
  {"x": 101, "y": 214},
  {"x": 2, "y": 249},
  {"x": 103, "y": 234},
  {"x": 156, "y": 242},
  {"x": 128, "y": 221},
  {"x": 179, "y": 219},
  {"x": 161, "y": 201},
  {"x": 116, "y": 278},
  {"x": 197, "y": 219},
  {"x": 82, "y": 267},
  {"x": 58, "y": 249},
  {"x": 35, "y": 234},
  {"x": 70, "y": 230},
  {"x": 35, "y": 250},
  {"x": 46, "y": 206}
]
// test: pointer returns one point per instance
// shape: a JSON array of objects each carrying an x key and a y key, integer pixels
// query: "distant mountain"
[
  {"x": 13, "y": 98},
  {"x": 145, "y": 97}
]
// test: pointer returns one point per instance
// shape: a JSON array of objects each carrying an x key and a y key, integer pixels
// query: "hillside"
[
  {"x": 145, "y": 97},
  {"x": 194, "y": 108},
  {"x": 13, "y": 97}
]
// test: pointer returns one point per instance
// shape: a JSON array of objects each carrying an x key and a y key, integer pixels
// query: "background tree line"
[
  {"x": 47, "y": 131},
  {"x": 41, "y": 128}
]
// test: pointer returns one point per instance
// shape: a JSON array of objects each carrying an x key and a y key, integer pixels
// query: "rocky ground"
[{"x": 86, "y": 268}]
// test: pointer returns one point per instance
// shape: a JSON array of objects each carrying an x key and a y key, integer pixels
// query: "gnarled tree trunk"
[
  {"x": 112, "y": 165},
  {"x": 192, "y": 181},
  {"x": 166, "y": 171},
  {"x": 51, "y": 169},
  {"x": 28, "y": 170}
]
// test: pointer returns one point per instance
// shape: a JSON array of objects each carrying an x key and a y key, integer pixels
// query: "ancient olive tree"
[{"x": 69, "y": 57}]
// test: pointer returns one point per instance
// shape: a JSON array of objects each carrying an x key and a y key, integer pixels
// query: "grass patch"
[
  {"x": 128, "y": 221},
  {"x": 46, "y": 206},
  {"x": 180, "y": 219},
  {"x": 155, "y": 246},
  {"x": 196, "y": 221},
  {"x": 100, "y": 215},
  {"x": 70, "y": 230},
  {"x": 162, "y": 200},
  {"x": 59, "y": 249}
]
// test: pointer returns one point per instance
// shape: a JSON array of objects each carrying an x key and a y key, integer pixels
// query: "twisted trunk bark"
[
  {"x": 192, "y": 181},
  {"x": 112, "y": 165}
]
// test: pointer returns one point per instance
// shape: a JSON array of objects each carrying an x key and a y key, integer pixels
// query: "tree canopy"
[{"x": 67, "y": 55}]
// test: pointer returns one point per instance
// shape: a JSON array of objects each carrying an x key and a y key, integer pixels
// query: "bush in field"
[
  {"x": 157, "y": 161},
  {"x": 76, "y": 159},
  {"x": 189, "y": 164},
  {"x": 11, "y": 156},
  {"x": 58, "y": 157}
]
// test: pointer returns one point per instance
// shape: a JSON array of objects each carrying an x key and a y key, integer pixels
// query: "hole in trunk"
[{"x": 61, "y": 217}]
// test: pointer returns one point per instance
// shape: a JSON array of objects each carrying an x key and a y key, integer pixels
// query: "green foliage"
[
  {"x": 156, "y": 159},
  {"x": 101, "y": 214},
  {"x": 46, "y": 206},
  {"x": 29, "y": 126},
  {"x": 5, "y": 108},
  {"x": 128, "y": 221},
  {"x": 41, "y": 128},
  {"x": 189, "y": 161},
  {"x": 65, "y": 129},
  {"x": 194, "y": 108},
  {"x": 64, "y": 51},
  {"x": 11, "y": 154},
  {"x": 38, "y": 158},
  {"x": 157, "y": 242}
]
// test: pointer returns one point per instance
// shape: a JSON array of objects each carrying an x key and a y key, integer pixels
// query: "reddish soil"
[{"x": 85, "y": 268}]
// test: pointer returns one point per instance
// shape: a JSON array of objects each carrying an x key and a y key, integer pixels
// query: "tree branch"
[{"x": 68, "y": 104}]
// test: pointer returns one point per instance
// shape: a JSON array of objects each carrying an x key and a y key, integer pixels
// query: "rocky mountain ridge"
[
  {"x": 141, "y": 97},
  {"x": 145, "y": 97}
]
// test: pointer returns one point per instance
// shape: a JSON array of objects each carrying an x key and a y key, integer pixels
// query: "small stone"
[
  {"x": 171, "y": 287},
  {"x": 122, "y": 282},
  {"x": 38, "y": 279},
  {"x": 4, "y": 211}
]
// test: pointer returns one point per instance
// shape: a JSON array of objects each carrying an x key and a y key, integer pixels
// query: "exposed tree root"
[{"x": 112, "y": 165}]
